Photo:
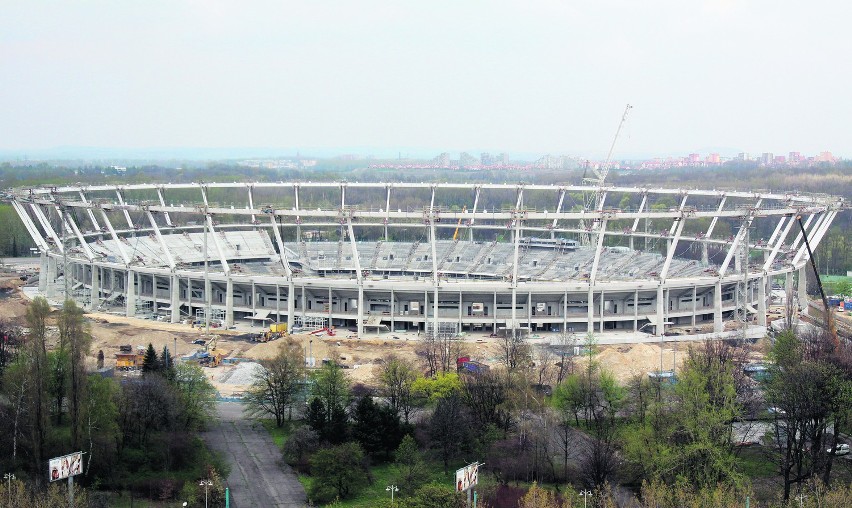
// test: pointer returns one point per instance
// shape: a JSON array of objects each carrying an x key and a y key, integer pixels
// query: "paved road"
[{"x": 259, "y": 477}]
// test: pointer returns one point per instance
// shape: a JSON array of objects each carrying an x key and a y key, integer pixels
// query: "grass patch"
[
  {"x": 280, "y": 434},
  {"x": 384, "y": 475},
  {"x": 754, "y": 463}
]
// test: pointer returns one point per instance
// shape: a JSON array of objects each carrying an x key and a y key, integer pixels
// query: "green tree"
[
  {"x": 411, "y": 469},
  {"x": 150, "y": 363},
  {"x": 437, "y": 387},
  {"x": 36, "y": 355},
  {"x": 73, "y": 333},
  {"x": 397, "y": 379},
  {"x": 377, "y": 428},
  {"x": 195, "y": 393},
  {"x": 100, "y": 420},
  {"x": 277, "y": 384},
  {"x": 327, "y": 410},
  {"x": 338, "y": 471}
]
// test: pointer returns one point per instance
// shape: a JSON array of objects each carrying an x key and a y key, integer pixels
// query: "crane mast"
[{"x": 593, "y": 199}]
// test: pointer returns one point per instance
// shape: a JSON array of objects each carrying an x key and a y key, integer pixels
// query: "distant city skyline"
[{"x": 184, "y": 76}]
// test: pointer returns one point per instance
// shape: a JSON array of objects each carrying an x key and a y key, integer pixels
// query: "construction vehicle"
[
  {"x": 456, "y": 234},
  {"x": 276, "y": 331},
  {"x": 128, "y": 360},
  {"x": 212, "y": 358},
  {"x": 323, "y": 331}
]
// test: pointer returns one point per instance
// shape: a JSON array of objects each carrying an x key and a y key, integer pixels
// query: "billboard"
[
  {"x": 540, "y": 307},
  {"x": 477, "y": 307},
  {"x": 61, "y": 468},
  {"x": 414, "y": 306},
  {"x": 467, "y": 477}
]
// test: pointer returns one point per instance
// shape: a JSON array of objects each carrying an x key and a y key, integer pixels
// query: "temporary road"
[{"x": 259, "y": 476}]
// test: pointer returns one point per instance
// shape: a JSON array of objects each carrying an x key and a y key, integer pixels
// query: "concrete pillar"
[
  {"x": 788, "y": 286},
  {"x": 360, "y": 311},
  {"x": 175, "y": 298},
  {"x": 636, "y": 311},
  {"x": 717, "y": 307},
  {"x": 761, "y": 301},
  {"x": 229, "y": 303},
  {"x": 694, "y": 304},
  {"x": 661, "y": 310},
  {"x": 95, "y": 300},
  {"x": 43, "y": 274},
  {"x": 51, "y": 277},
  {"x": 291, "y": 305},
  {"x": 705, "y": 256},
  {"x": 590, "y": 308},
  {"x": 392, "y": 307},
  {"x": 130, "y": 293},
  {"x": 602, "y": 308},
  {"x": 803, "y": 288}
]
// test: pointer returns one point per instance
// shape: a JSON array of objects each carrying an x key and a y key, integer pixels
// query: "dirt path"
[{"x": 258, "y": 476}]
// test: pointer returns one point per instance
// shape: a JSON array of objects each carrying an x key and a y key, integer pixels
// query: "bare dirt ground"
[{"x": 361, "y": 357}]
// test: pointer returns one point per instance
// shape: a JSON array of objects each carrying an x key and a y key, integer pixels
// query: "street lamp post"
[
  {"x": 586, "y": 495},
  {"x": 392, "y": 489},
  {"x": 205, "y": 484},
  {"x": 9, "y": 477}
]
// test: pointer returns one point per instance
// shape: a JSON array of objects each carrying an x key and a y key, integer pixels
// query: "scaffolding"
[
  {"x": 217, "y": 316},
  {"x": 311, "y": 323}
]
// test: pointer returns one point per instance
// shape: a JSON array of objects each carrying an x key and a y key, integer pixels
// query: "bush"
[
  {"x": 299, "y": 447},
  {"x": 338, "y": 472}
]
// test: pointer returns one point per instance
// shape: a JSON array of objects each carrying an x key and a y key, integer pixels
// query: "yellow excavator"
[{"x": 456, "y": 234}]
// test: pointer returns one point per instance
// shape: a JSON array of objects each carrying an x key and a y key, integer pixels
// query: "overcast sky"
[{"x": 519, "y": 76}]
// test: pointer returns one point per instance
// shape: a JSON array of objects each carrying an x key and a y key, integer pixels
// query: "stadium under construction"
[{"x": 424, "y": 256}]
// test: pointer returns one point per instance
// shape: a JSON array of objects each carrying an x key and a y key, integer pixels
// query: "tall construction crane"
[{"x": 593, "y": 199}]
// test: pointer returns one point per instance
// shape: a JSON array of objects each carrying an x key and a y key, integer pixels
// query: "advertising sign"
[
  {"x": 539, "y": 307},
  {"x": 467, "y": 477},
  {"x": 477, "y": 307},
  {"x": 61, "y": 468},
  {"x": 414, "y": 306}
]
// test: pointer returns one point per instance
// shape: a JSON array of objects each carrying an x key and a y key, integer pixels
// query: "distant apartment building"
[{"x": 713, "y": 158}]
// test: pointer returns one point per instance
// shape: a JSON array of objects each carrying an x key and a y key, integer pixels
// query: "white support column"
[
  {"x": 519, "y": 204},
  {"x": 672, "y": 247},
  {"x": 298, "y": 217},
  {"x": 761, "y": 300},
  {"x": 717, "y": 308},
  {"x": 169, "y": 259},
  {"x": 636, "y": 310},
  {"x": 43, "y": 273},
  {"x": 89, "y": 211},
  {"x": 636, "y": 221},
  {"x": 803, "y": 288},
  {"x": 590, "y": 311},
  {"x": 356, "y": 257},
  {"x": 598, "y": 251},
  {"x": 51, "y": 277},
  {"x": 815, "y": 236},
  {"x": 163, "y": 204},
  {"x": 130, "y": 293},
  {"x": 174, "y": 285},
  {"x": 95, "y": 299},
  {"x": 662, "y": 305},
  {"x": 229, "y": 302},
  {"x": 798, "y": 239},
  {"x": 705, "y": 258},
  {"x": 387, "y": 210},
  {"x": 116, "y": 239},
  {"x": 282, "y": 253},
  {"x": 219, "y": 250},
  {"x": 392, "y": 308},
  {"x": 291, "y": 305},
  {"x": 31, "y": 227},
  {"x": 788, "y": 287},
  {"x": 778, "y": 243},
  {"x": 602, "y": 307},
  {"x": 565, "y": 313},
  {"x": 741, "y": 235},
  {"x": 121, "y": 202},
  {"x": 679, "y": 209},
  {"x": 694, "y": 303},
  {"x": 45, "y": 224},
  {"x": 472, "y": 218},
  {"x": 558, "y": 211},
  {"x": 69, "y": 222},
  {"x": 251, "y": 202}
]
